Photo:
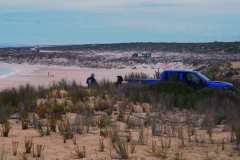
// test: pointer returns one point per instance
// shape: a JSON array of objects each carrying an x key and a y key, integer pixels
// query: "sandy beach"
[{"x": 45, "y": 75}]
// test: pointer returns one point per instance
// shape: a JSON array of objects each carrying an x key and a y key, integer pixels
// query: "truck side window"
[
  {"x": 173, "y": 76},
  {"x": 193, "y": 79}
]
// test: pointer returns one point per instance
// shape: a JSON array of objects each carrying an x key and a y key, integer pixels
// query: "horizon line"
[{"x": 9, "y": 45}]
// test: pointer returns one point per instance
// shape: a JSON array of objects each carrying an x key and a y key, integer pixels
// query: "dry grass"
[
  {"x": 65, "y": 130},
  {"x": 15, "y": 145},
  {"x": 132, "y": 147},
  {"x": 179, "y": 156},
  {"x": 74, "y": 140},
  {"x": 38, "y": 150},
  {"x": 28, "y": 144},
  {"x": 162, "y": 150},
  {"x": 101, "y": 145},
  {"x": 121, "y": 148},
  {"x": 80, "y": 152},
  {"x": 5, "y": 128},
  {"x": 3, "y": 154}
]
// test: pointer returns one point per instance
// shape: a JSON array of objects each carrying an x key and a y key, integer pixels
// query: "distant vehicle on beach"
[{"x": 192, "y": 78}]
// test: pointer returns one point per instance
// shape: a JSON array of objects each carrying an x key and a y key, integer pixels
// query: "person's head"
[
  {"x": 92, "y": 75},
  {"x": 119, "y": 78}
]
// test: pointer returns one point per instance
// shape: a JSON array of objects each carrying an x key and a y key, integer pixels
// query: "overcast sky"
[
  {"x": 94, "y": 5},
  {"x": 106, "y": 21}
]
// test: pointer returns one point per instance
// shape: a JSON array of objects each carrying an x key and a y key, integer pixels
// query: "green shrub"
[
  {"x": 109, "y": 111},
  {"x": 102, "y": 121},
  {"x": 24, "y": 119},
  {"x": 41, "y": 110},
  {"x": 4, "y": 114}
]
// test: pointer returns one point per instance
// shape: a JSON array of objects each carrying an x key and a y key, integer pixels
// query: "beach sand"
[{"x": 46, "y": 75}]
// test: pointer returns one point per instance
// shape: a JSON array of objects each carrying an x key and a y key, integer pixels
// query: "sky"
[{"x": 31, "y": 22}]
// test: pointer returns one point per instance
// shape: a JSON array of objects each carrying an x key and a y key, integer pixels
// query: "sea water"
[{"x": 5, "y": 71}]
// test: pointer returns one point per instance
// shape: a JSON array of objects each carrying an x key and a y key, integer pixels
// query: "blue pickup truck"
[{"x": 192, "y": 78}]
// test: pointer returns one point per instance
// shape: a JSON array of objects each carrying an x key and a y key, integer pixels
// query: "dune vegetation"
[{"x": 164, "y": 121}]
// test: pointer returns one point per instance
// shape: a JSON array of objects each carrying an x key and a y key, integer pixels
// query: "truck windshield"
[{"x": 203, "y": 76}]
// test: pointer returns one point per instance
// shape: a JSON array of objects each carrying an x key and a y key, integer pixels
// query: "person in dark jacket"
[
  {"x": 91, "y": 81},
  {"x": 119, "y": 80}
]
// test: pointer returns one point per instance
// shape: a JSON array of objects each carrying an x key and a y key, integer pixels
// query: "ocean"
[{"x": 5, "y": 71}]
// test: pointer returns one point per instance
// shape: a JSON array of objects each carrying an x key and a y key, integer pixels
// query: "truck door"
[
  {"x": 173, "y": 77},
  {"x": 193, "y": 80}
]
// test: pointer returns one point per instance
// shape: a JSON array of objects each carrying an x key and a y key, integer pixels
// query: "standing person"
[
  {"x": 119, "y": 80},
  {"x": 91, "y": 81}
]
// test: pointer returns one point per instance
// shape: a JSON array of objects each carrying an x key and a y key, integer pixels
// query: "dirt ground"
[
  {"x": 56, "y": 149},
  {"x": 236, "y": 65}
]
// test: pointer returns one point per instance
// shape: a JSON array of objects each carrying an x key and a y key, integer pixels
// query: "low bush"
[
  {"x": 102, "y": 104},
  {"x": 178, "y": 95}
]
